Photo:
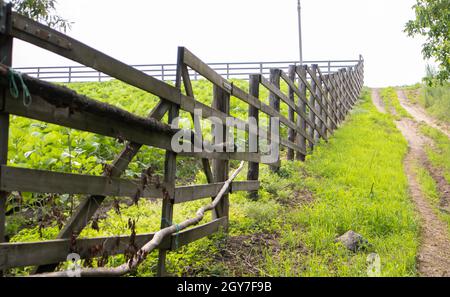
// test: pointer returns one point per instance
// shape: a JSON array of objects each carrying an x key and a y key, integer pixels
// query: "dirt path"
[
  {"x": 376, "y": 99},
  {"x": 420, "y": 114},
  {"x": 434, "y": 251}
]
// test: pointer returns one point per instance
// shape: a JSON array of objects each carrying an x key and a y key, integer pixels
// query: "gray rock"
[{"x": 353, "y": 241}]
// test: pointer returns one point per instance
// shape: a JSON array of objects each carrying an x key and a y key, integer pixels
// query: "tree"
[
  {"x": 433, "y": 22},
  {"x": 42, "y": 11}
]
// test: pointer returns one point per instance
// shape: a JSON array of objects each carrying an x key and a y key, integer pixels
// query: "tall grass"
[
  {"x": 439, "y": 153},
  {"x": 436, "y": 99},
  {"x": 359, "y": 184},
  {"x": 430, "y": 190}
]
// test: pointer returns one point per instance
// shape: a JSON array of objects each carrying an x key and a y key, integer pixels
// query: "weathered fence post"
[
  {"x": 274, "y": 102},
  {"x": 6, "y": 45},
  {"x": 292, "y": 132},
  {"x": 328, "y": 106},
  {"x": 253, "y": 112},
  {"x": 221, "y": 102},
  {"x": 312, "y": 101},
  {"x": 344, "y": 96},
  {"x": 170, "y": 171},
  {"x": 349, "y": 86},
  {"x": 301, "y": 122},
  {"x": 320, "y": 107},
  {"x": 335, "y": 99},
  {"x": 317, "y": 97},
  {"x": 341, "y": 95},
  {"x": 312, "y": 116}
]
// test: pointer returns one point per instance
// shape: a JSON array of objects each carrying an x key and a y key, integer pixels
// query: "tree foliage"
[
  {"x": 433, "y": 21},
  {"x": 43, "y": 11}
]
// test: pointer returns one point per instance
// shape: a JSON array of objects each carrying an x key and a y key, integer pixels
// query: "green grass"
[
  {"x": 368, "y": 151},
  {"x": 439, "y": 153},
  {"x": 436, "y": 100},
  {"x": 356, "y": 181},
  {"x": 392, "y": 104},
  {"x": 429, "y": 189}
]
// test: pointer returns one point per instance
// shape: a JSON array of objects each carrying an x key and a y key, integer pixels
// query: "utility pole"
[{"x": 299, "y": 9}]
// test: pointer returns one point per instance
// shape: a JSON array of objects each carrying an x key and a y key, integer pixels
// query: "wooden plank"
[
  {"x": 51, "y": 251},
  {"x": 241, "y": 156},
  {"x": 221, "y": 101},
  {"x": 301, "y": 120},
  {"x": 319, "y": 105},
  {"x": 314, "y": 114},
  {"x": 41, "y": 181},
  {"x": 4, "y": 136},
  {"x": 192, "y": 193},
  {"x": 291, "y": 113},
  {"x": 196, "y": 233},
  {"x": 253, "y": 101},
  {"x": 6, "y": 46},
  {"x": 170, "y": 174},
  {"x": 292, "y": 145},
  {"x": 207, "y": 72},
  {"x": 249, "y": 185},
  {"x": 54, "y": 251},
  {"x": 253, "y": 167},
  {"x": 274, "y": 102},
  {"x": 147, "y": 132},
  {"x": 271, "y": 87}
]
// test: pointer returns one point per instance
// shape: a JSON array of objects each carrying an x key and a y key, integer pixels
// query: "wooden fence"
[{"x": 331, "y": 96}]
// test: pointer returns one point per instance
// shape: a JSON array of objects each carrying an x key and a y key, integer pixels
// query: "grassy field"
[
  {"x": 358, "y": 183},
  {"x": 439, "y": 152},
  {"x": 429, "y": 189},
  {"x": 355, "y": 181},
  {"x": 436, "y": 100}
]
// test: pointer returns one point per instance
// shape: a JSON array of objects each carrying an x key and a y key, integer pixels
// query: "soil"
[
  {"x": 241, "y": 255},
  {"x": 434, "y": 250}
]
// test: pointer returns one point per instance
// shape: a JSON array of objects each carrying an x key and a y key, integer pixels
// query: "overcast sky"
[{"x": 149, "y": 31}]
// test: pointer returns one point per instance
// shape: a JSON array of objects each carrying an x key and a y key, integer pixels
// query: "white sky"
[{"x": 141, "y": 32}]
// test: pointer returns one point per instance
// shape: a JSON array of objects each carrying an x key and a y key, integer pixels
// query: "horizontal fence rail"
[
  {"x": 318, "y": 99},
  {"x": 167, "y": 72}
]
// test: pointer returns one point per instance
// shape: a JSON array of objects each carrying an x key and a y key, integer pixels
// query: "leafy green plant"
[{"x": 432, "y": 21}]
